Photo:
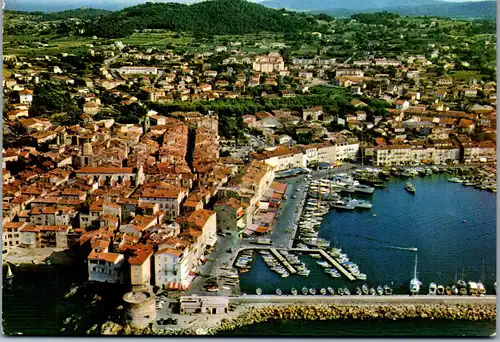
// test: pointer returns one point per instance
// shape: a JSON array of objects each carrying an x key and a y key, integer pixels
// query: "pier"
[
  {"x": 336, "y": 264},
  {"x": 283, "y": 261}
]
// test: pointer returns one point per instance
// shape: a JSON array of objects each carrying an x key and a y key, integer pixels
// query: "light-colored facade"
[
  {"x": 172, "y": 266},
  {"x": 270, "y": 63},
  {"x": 393, "y": 155},
  {"x": 105, "y": 267},
  {"x": 282, "y": 158}
]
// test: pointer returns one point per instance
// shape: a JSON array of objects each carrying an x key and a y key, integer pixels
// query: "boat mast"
[
  {"x": 415, "y": 272},
  {"x": 482, "y": 270}
]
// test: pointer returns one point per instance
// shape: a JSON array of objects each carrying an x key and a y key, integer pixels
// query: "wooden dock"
[
  {"x": 283, "y": 261},
  {"x": 336, "y": 264}
]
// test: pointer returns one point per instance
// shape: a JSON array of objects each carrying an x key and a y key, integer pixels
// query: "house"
[
  {"x": 204, "y": 304},
  {"x": 270, "y": 63},
  {"x": 130, "y": 70},
  {"x": 90, "y": 108},
  {"x": 231, "y": 216},
  {"x": 281, "y": 158},
  {"x": 105, "y": 267},
  {"x": 11, "y": 235},
  {"x": 402, "y": 104},
  {"x": 139, "y": 260},
  {"x": 172, "y": 264},
  {"x": 26, "y": 96},
  {"x": 313, "y": 113},
  {"x": 393, "y": 155},
  {"x": 35, "y": 236}
]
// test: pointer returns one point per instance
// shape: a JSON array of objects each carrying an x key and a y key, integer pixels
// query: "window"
[
  {"x": 16, "y": 235},
  {"x": 10, "y": 243},
  {"x": 10, "y": 235}
]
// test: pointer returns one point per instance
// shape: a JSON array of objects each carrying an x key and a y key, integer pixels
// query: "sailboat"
[
  {"x": 415, "y": 283},
  {"x": 9, "y": 275}
]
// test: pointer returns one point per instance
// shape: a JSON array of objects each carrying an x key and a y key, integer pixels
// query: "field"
[{"x": 25, "y": 45}]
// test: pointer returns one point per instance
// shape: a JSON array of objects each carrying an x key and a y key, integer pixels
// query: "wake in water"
[{"x": 387, "y": 244}]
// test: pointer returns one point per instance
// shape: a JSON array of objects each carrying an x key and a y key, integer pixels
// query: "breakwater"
[{"x": 260, "y": 314}]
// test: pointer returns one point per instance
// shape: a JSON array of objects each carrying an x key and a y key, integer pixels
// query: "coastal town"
[{"x": 162, "y": 169}]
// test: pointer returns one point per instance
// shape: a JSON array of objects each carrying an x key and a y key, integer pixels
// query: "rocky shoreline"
[{"x": 253, "y": 315}]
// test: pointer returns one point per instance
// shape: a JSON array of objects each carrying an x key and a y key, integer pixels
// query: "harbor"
[{"x": 367, "y": 239}]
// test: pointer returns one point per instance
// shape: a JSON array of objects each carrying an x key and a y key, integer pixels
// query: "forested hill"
[
  {"x": 83, "y": 13},
  {"x": 209, "y": 17}
]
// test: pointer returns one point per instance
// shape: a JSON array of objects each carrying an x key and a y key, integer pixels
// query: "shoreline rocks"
[{"x": 254, "y": 315}]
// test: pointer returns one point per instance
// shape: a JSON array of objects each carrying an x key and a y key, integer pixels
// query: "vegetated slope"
[
  {"x": 83, "y": 13},
  {"x": 477, "y": 10},
  {"x": 209, "y": 17},
  {"x": 308, "y": 5}
]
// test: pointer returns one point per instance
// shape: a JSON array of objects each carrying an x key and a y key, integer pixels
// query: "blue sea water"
[
  {"x": 431, "y": 220},
  {"x": 34, "y": 304},
  {"x": 375, "y": 328}
]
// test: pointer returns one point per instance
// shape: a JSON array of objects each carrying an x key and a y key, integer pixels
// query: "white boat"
[
  {"x": 361, "y": 276},
  {"x": 343, "y": 204},
  {"x": 294, "y": 291},
  {"x": 226, "y": 288},
  {"x": 481, "y": 289},
  {"x": 364, "y": 189},
  {"x": 312, "y": 291},
  {"x": 440, "y": 290},
  {"x": 432, "y": 288},
  {"x": 415, "y": 283},
  {"x": 323, "y": 291},
  {"x": 323, "y": 263},
  {"x": 304, "y": 273},
  {"x": 258, "y": 291},
  {"x": 278, "y": 292},
  {"x": 360, "y": 203},
  {"x": 304, "y": 290},
  {"x": 455, "y": 180},
  {"x": 9, "y": 275}
]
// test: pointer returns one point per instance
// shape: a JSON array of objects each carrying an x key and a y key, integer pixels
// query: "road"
[
  {"x": 285, "y": 227},
  {"x": 282, "y": 234}
]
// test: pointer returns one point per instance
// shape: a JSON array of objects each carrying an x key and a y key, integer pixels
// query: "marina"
[{"x": 314, "y": 235}]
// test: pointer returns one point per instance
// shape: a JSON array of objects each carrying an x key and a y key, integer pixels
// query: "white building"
[
  {"x": 105, "y": 267},
  {"x": 130, "y": 70},
  {"x": 282, "y": 158}
]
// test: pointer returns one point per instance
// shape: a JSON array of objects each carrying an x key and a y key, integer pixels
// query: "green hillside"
[{"x": 208, "y": 17}]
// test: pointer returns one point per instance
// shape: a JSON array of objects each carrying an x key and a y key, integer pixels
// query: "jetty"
[
  {"x": 283, "y": 261},
  {"x": 336, "y": 264}
]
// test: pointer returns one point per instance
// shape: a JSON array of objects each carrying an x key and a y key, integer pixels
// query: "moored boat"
[
  {"x": 454, "y": 290},
  {"x": 387, "y": 290},
  {"x": 365, "y": 289},
  {"x": 312, "y": 291},
  {"x": 372, "y": 291},
  {"x": 358, "y": 291},
  {"x": 462, "y": 287},
  {"x": 340, "y": 291},
  {"x": 294, "y": 291},
  {"x": 410, "y": 188},
  {"x": 322, "y": 291},
  {"x": 305, "y": 291},
  {"x": 432, "y": 288},
  {"x": 415, "y": 283},
  {"x": 278, "y": 292},
  {"x": 347, "y": 292},
  {"x": 258, "y": 291},
  {"x": 330, "y": 290},
  {"x": 380, "y": 290},
  {"x": 481, "y": 289},
  {"x": 440, "y": 290},
  {"x": 448, "y": 291}
]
